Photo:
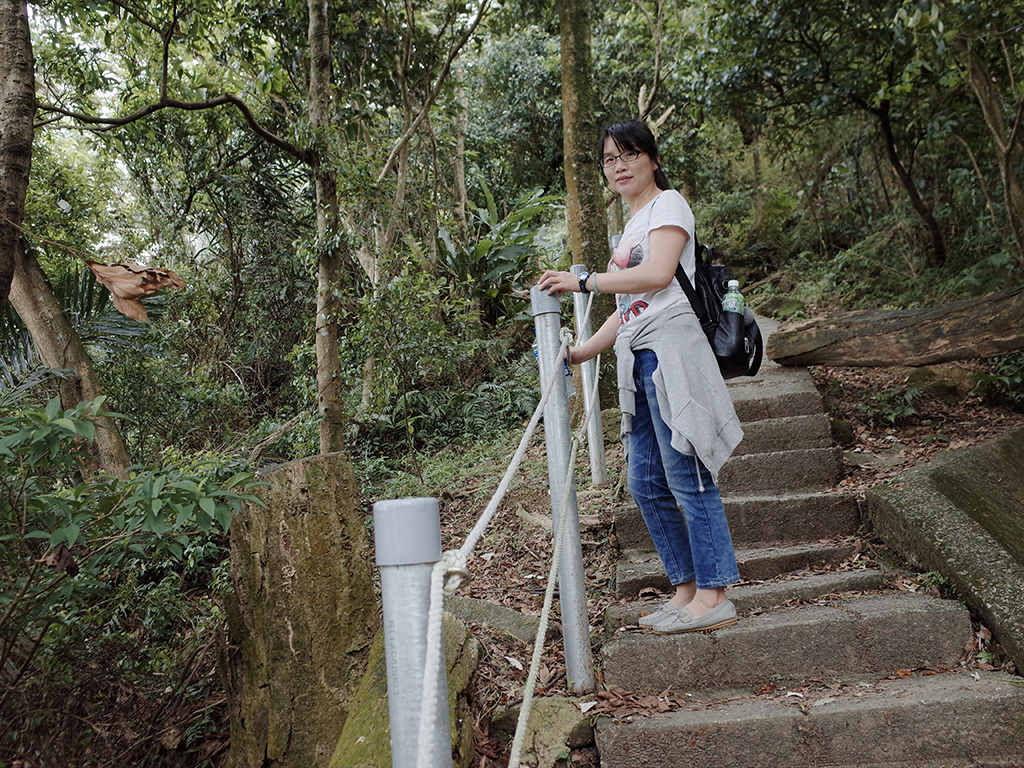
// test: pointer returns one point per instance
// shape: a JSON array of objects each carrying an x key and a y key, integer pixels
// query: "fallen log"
[{"x": 981, "y": 326}]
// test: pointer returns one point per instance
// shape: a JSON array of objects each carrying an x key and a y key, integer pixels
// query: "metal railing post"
[
  {"x": 407, "y": 535},
  {"x": 588, "y": 374},
  {"x": 572, "y": 594}
]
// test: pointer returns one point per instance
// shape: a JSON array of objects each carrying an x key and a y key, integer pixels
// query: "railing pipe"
[
  {"x": 572, "y": 593},
  {"x": 588, "y": 375},
  {"x": 407, "y": 535}
]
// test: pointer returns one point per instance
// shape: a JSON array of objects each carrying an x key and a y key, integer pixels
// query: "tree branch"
[
  {"x": 442, "y": 78},
  {"x": 102, "y": 124}
]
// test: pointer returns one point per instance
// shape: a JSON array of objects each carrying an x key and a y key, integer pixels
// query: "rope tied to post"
[
  {"x": 452, "y": 569},
  {"x": 456, "y": 571}
]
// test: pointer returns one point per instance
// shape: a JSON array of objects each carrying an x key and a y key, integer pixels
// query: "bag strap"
[{"x": 691, "y": 294}]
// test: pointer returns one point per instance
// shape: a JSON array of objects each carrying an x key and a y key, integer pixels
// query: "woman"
[{"x": 679, "y": 425}]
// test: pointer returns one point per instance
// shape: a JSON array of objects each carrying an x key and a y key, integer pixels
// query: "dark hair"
[{"x": 635, "y": 135}]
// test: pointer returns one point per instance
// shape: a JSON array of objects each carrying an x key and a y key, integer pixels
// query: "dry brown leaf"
[
  {"x": 128, "y": 283},
  {"x": 60, "y": 559}
]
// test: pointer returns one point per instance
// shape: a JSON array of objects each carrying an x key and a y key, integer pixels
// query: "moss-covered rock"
[
  {"x": 366, "y": 739},
  {"x": 301, "y": 616},
  {"x": 557, "y": 726},
  {"x": 946, "y": 382},
  {"x": 781, "y": 307},
  {"x": 841, "y": 432}
]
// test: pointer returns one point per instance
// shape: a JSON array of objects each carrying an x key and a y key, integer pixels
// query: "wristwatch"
[{"x": 584, "y": 276}]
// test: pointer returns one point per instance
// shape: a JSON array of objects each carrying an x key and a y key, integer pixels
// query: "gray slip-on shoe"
[
  {"x": 678, "y": 620},
  {"x": 654, "y": 616}
]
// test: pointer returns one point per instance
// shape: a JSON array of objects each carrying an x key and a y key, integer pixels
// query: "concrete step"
[
  {"x": 763, "y": 519},
  {"x": 813, "y": 469},
  {"x": 765, "y": 594},
  {"x": 858, "y": 635},
  {"x": 638, "y": 570},
  {"x": 775, "y": 393},
  {"x": 937, "y": 721},
  {"x": 791, "y": 432}
]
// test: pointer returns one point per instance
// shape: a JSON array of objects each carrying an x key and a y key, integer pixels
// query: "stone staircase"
[{"x": 829, "y": 665}]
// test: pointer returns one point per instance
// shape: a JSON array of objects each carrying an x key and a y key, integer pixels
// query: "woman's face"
[{"x": 633, "y": 179}]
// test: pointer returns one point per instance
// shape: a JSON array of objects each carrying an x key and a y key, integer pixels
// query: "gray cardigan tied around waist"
[{"x": 692, "y": 396}]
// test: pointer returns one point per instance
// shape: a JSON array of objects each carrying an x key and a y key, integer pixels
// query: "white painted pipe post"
[
  {"x": 588, "y": 375},
  {"x": 407, "y": 535},
  {"x": 572, "y": 592}
]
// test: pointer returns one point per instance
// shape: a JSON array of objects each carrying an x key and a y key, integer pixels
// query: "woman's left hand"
[{"x": 558, "y": 282}]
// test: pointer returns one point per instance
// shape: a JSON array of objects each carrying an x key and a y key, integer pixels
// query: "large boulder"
[{"x": 301, "y": 617}]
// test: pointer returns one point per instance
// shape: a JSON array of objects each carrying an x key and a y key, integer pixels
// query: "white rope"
[{"x": 448, "y": 572}]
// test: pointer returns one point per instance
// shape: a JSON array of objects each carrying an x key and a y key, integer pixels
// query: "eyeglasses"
[{"x": 627, "y": 157}]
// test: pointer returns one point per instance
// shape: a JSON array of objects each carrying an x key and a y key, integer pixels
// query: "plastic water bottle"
[
  {"x": 733, "y": 299},
  {"x": 570, "y": 390}
]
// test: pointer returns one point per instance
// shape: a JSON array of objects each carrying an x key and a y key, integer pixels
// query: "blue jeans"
[{"x": 693, "y": 543}]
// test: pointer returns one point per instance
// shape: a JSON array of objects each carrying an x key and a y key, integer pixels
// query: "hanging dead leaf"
[
  {"x": 128, "y": 283},
  {"x": 60, "y": 559}
]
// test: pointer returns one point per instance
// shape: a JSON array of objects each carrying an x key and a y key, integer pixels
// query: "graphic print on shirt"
[{"x": 628, "y": 253}]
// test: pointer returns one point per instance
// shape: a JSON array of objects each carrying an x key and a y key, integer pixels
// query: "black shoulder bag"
[{"x": 737, "y": 344}]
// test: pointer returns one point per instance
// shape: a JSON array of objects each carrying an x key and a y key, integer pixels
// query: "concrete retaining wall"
[{"x": 962, "y": 515}]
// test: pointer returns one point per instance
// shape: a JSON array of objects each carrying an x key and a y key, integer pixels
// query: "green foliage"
[
  {"x": 892, "y": 408},
  {"x": 503, "y": 256},
  {"x": 68, "y": 545},
  {"x": 432, "y": 368},
  {"x": 1005, "y": 384},
  {"x": 514, "y": 123}
]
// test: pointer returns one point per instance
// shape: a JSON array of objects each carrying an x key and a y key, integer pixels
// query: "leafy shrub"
[
  {"x": 891, "y": 408},
  {"x": 69, "y": 547},
  {"x": 1005, "y": 384}
]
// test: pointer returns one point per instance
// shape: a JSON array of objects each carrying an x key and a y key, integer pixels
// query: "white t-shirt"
[{"x": 668, "y": 208}]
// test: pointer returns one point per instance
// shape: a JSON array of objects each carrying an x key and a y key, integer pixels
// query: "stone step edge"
[
  {"x": 812, "y": 689},
  {"x": 767, "y": 594},
  {"x": 637, "y": 569},
  {"x": 806, "y": 469},
  {"x": 948, "y": 720},
  {"x": 861, "y": 634},
  {"x": 742, "y": 497},
  {"x": 765, "y": 520},
  {"x": 808, "y": 431}
]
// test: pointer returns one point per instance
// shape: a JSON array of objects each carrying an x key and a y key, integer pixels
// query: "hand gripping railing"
[{"x": 416, "y": 650}]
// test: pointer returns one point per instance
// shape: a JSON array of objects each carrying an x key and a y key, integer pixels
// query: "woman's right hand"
[{"x": 578, "y": 355}]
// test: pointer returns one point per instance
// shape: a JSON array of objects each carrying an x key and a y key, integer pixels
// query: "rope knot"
[
  {"x": 565, "y": 335},
  {"x": 455, "y": 571}
]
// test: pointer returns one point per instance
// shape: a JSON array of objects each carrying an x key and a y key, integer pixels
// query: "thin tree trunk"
[
  {"x": 17, "y": 111},
  {"x": 1005, "y": 143},
  {"x": 584, "y": 202},
  {"x": 460, "y": 126},
  {"x": 330, "y": 247},
  {"x": 752, "y": 139},
  {"x": 60, "y": 347},
  {"x": 920, "y": 206}
]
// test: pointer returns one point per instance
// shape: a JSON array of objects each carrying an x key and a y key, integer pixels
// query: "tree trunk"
[
  {"x": 17, "y": 111},
  {"x": 301, "y": 616},
  {"x": 460, "y": 126},
  {"x": 60, "y": 347},
  {"x": 584, "y": 200},
  {"x": 329, "y": 244},
  {"x": 981, "y": 326},
  {"x": 938, "y": 257},
  {"x": 1005, "y": 144}
]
